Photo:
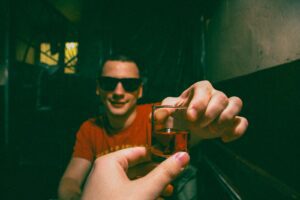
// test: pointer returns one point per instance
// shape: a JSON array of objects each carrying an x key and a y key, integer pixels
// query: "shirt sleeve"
[{"x": 83, "y": 147}]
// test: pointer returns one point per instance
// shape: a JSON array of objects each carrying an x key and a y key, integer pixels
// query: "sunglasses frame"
[{"x": 108, "y": 83}]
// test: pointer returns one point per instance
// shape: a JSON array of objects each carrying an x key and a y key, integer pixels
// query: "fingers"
[
  {"x": 109, "y": 173},
  {"x": 233, "y": 108},
  {"x": 140, "y": 170},
  {"x": 199, "y": 97},
  {"x": 196, "y": 98},
  {"x": 168, "y": 191},
  {"x": 238, "y": 128},
  {"x": 210, "y": 112},
  {"x": 161, "y": 114},
  {"x": 125, "y": 157},
  {"x": 217, "y": 105},
  {"x": 170, "y": 101},
  {"x": 162, "y": 175},
  {"x": 219, "y": 109},
  {"x": 227, "y": 115},
  {"x": 134, "y": 155}
]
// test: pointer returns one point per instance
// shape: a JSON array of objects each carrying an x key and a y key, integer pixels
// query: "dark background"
[{"x": 165, "y": 37}]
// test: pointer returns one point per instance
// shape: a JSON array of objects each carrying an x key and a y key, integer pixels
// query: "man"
[
  {"x": 109, "y": 173},
  {"x": 210, "y": 114}
]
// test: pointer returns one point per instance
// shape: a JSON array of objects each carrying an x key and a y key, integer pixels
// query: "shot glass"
[{"x": 169, "y": 133}]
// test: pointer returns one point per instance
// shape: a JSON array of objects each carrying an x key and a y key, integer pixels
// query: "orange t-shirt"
[{"x": 92, "y": 139}]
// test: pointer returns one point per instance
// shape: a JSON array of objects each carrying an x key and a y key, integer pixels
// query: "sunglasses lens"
[
  {"x": 109, "y": 83},
  {"x": 131, "y": 84}
]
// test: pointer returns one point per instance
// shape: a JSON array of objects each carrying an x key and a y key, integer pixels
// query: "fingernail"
[{"x": 182, "y": 157}]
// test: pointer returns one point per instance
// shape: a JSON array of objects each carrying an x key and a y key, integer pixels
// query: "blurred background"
[{"x": 50, "y": 51}]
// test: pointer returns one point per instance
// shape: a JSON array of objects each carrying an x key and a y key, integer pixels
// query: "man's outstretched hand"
[{"x": 210, "y": 113}]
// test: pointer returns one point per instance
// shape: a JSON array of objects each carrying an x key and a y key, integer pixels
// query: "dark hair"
[{"x": 122, "y": 58}]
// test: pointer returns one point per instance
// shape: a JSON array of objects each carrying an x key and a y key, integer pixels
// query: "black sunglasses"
[{"x": 109, "y": 83}]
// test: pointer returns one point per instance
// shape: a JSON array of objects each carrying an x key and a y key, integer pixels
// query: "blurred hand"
[
  {"x": 210, "y": 113},
  {"x": 108, "y": 178}
]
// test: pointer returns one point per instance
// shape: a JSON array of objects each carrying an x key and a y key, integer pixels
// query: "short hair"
[{"x": 122, "y": 58}]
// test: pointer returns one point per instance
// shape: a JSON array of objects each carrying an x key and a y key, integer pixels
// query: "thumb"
[{"x": 165, "y": 172}]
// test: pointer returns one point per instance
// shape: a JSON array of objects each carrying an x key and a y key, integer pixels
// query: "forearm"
[{"x": 69, "y": 189}]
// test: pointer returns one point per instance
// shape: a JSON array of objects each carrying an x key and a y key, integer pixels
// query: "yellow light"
[
  {"x": 46, "y": 56},
  {"x": 71, "y": 45}
]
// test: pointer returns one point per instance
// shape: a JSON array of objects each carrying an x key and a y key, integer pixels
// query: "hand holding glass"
[{"x": 169, "y": 134}]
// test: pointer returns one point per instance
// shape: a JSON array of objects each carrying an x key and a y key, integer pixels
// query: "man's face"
[{"x": 120, "y": 102}]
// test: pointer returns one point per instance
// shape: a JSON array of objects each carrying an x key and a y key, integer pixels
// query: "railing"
[{"x": 241, "y": 179}]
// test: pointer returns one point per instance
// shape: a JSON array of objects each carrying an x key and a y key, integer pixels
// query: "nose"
[{"x": 119, "y": 90}]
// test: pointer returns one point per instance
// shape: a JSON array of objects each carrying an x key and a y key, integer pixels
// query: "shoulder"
[
  {"x": 95, "y": 122},
  {"x": 88, "y": 122},
  {"x": 89, "y": 130}
]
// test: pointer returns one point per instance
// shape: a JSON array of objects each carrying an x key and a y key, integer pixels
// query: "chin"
[
  {"x": 122, "y": 111},
  {"x": 118, "y": 111}
]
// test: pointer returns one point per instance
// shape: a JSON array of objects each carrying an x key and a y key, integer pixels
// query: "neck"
[{"x": 118, "y": 123}]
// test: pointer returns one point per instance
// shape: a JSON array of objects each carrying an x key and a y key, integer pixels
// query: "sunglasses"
[{"x": 109, "y": 83}]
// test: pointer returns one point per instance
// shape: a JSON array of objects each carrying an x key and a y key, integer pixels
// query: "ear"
[
  {"x": 140, "y": 92},
  {"x": 97, "y": 90}
]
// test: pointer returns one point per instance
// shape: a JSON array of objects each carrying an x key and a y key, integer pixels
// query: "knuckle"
[
  {"x": 204, "y": 84},
  {"x": 226, "y": 117},
  {"x": 200, "y": 106},
  {"x": 237, "y": 101},
  {"x": 222, "y": 99},
  {"x": 242, "y": 127}
]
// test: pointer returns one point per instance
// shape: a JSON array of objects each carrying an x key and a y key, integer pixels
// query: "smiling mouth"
[{"x": 117, "y": 104}]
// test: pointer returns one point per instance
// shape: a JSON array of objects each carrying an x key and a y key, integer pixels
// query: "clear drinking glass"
[{"x": 169, "y": 133}]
